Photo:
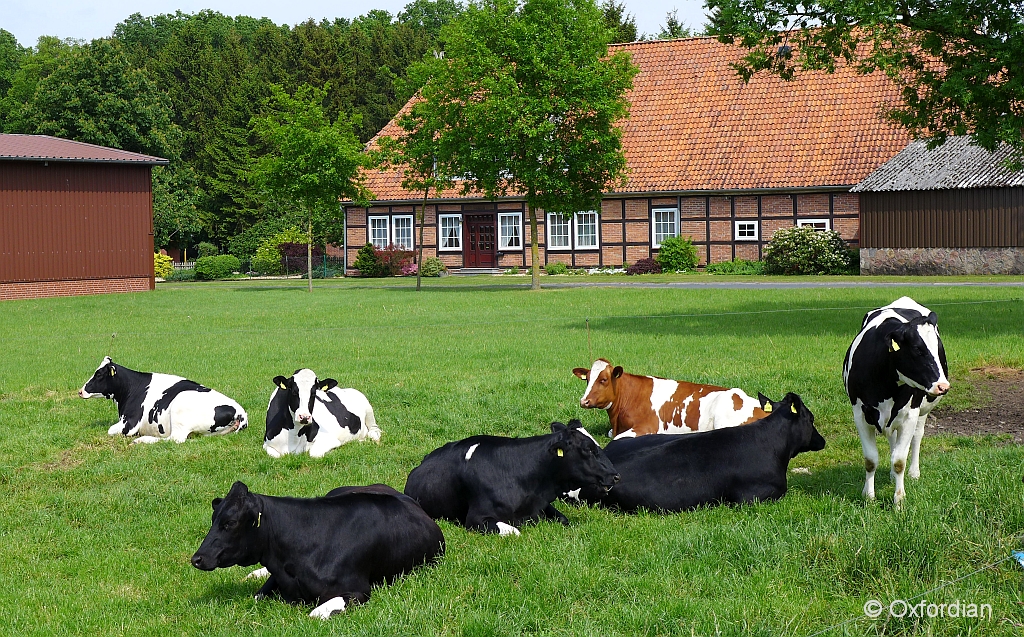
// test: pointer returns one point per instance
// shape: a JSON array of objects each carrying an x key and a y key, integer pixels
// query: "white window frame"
[
  {"x": 440, "y": 232},
  {"x": 502, "y": 239},
  {"x": 412, "y": 231},
  {"x": 369, "y": 230},
  {"x": 597, "y": 230},
  {"x": 800, "y": 223},
  {"x": 568, "y": 236},
  {"x": 655, "y": 244},
  {"x": 736, "y": 231}
]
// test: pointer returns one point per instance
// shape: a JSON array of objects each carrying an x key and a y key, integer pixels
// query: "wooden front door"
[{"x": 482, "y": 241}]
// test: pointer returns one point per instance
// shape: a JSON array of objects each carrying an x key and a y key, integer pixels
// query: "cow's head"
[
  {"x": 301, "y": 388},
  {"x": 233, "y": 536},
  {"x": 916, "y": 350},
  {"x": 579, "y": 461},
  {"x": 601, "y": 377},
  {"x": 791, "y": 409},
  {"x": 103, "y": 381}
]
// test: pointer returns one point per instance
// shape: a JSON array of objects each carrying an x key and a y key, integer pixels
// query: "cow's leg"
[
  {"x": 145, "y": 440},
  {"x": 269, "y": 587},
  {"x": 914, "y": 470},
  {"x": 489, "y": 524},
  {"x": 870, "y": 448},
  {"x": 338, "y": 602},
  {"x": 322, "y": 444},
  {"x": 370, "y": 422},
  {"x": 906, "y": 428},
  {"x": 551, "y": 513},
  {"x": 259, "y": 573},
  {"x": 179, "y": 434}
]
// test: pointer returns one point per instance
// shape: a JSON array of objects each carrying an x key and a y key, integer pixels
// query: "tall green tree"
[
  {"x": 673, "y": 28},
  {"x": 313, "y": 162},
  {"x": 95, "y": 95},
  {"x": 621, "y": 24},
  {"x": 959, "y": 63},
  {"x": 33, "y": 66},
  {"x": 525, "y": 101}
]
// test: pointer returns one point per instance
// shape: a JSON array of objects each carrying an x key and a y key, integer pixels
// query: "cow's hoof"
[
  {"x": 328, "y": 608},
  {"x": 259, "y": 573},
  {"x": 913, "y": 473},
  {"x": 506, "y": 529},
  {"x": 145, "y": 440}
]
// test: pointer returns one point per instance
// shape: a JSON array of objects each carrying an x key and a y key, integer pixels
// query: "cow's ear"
[
  {"x": 933, "y": 318},
  {"x": 216, "y": 502},
  {"x": 327, "y": 384},
  {"x": 575, "y": 424},
  {"x": 617, "y": 371},
  {"x": 238, "y": 488},
  {"x": 766, "y": 403},
  {"x": 557, "y": 427},
  {"x": 281, "y": 382},
  {"x": 581, "y": 372}
]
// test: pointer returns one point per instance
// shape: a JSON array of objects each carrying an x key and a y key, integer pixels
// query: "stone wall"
[{"x": 940, "y": 261}]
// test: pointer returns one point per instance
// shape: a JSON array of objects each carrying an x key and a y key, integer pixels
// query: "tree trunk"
[
  {"x": 309, "y": 253},
  {"x": 423, "y": 216},
  {"x": 534, "y": 249}
]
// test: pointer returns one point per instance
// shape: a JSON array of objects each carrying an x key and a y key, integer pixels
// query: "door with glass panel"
[{"x": 480, "y": 249}]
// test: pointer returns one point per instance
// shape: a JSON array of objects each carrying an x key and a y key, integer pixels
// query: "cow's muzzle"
[
  {"x": 202, "y": 563},
  {"x": 608, "y": 487},
  {"x": 939, "y": 389},
  {"x": 304, "y": 419}
]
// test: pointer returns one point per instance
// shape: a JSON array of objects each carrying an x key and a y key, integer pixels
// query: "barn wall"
[
  {"x": 963, "y": 218},
  {"x": 75, "y": 222}
]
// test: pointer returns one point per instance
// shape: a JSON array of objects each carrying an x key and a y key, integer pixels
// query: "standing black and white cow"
[
  {"x": 162, "y": 406},
  {"x": 492, "y": 483},
  {"x": 734, "y": 465},
  {"x": 895, "y": 373},
  {"x": 327, "y": 551},
  {"x": 307, "y": 414}
]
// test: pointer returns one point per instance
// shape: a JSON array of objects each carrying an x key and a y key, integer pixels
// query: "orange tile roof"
[{"x": 694, "y": 125}]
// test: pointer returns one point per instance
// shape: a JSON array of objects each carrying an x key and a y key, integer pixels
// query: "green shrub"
[
  {"x": 182, "y": 275},
  {"x": 739, "y": 266},
  {"x": 267, "y": 259},
  {"x": 432, "y": 266},
  {"x": 206, "y": 249},
  {"x": 677, "y": 254},
  {"x": 556, "y": 268},
  {"x": 163, "y": 265},
  {"x": 218, "y": 267},
  {"x": 806, "y": 251},
  {"x": 369, "y": 263}
]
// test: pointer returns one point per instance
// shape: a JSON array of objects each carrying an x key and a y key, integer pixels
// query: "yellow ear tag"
[
  {"x": 112, "y": 371},
  {"x": 793, "y": 407},
  {"x": 282, "y": 386},
  {"x": 767, "y": 408},
  {"x": 560, "y": 453},
  {"x": 895, "y": 346},
  {"x": 259, "y": 518}
]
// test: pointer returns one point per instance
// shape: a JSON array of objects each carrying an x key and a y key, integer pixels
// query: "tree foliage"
[
  {"x": 959, "y": 65},
  {"x": 673, "y": 28},
  {"x": 525, "y": 101},
  {"x": 621, "y": 24}
]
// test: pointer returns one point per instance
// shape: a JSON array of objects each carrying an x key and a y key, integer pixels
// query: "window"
[
  {"x": 558, "y": 231},
  {"x": 746, "y": 231},
  {"x": 664, "y": 224},
  {"x": 379, "y": 232},
  {"x": 402, "y": 232},
  {"x": 817, "y": 224},
  {"x": 451, "y": 232},
  {"x": 510, "y": 231},
  {"x": 586, "y": 229}
]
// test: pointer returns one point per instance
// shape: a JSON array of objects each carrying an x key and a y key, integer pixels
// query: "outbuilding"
[
  {"x": 954, "y": 209},
  {"x": 75, "y": 218}
]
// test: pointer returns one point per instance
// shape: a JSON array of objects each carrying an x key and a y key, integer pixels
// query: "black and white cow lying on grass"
[
  {"x": 327, "y": 551},
  {"x": 162, "y": 406},
  {"x": 492, "y": 483},
  {"x": 734, "y": 465},
  {"x": 895, "y": 372},
  {"x": 309, "y": 414}
]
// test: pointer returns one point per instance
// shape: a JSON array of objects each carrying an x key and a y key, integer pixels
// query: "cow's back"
[{"x": 436, "y": 484}]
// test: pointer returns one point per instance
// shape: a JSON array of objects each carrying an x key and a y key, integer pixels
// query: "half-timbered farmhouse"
[{"x": 709, "y": 157}]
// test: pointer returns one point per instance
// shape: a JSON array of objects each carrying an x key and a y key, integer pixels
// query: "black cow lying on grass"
[
  {"x": 492, "y": 483},
  {"x": 328, "y": 551},
  {"x": 732, "y": 465}
]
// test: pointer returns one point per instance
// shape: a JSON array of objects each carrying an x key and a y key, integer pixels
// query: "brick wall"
[{"x": 43, "y": 289}]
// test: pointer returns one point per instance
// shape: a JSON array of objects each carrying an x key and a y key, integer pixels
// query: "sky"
[{"x": 89, "y": 19}]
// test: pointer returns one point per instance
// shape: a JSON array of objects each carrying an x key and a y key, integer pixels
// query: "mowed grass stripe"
[{"x": 97, "y": 532}]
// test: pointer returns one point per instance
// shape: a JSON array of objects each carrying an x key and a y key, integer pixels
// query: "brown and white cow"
[{"x": 640, "y": 405}]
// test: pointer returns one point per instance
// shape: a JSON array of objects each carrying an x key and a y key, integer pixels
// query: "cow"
[
  {"x": 895, "y": 372},
  {"x": 327, "y": 551},
  {"x": 307, "y": 414},
  {"x": 735, "y": 465},
  {"x": 162, "y": 406},
  {"x": 641, "y": 405},
  {"x": 492, "y": 483}
]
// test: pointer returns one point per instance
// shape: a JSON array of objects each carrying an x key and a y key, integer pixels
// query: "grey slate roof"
[{"x": 956, "y": 164}]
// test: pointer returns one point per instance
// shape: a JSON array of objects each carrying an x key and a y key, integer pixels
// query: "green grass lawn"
[{"x": 96, "y": 534}]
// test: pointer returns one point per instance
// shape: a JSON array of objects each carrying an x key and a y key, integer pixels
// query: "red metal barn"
[{"x": 74, "y": 218}]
